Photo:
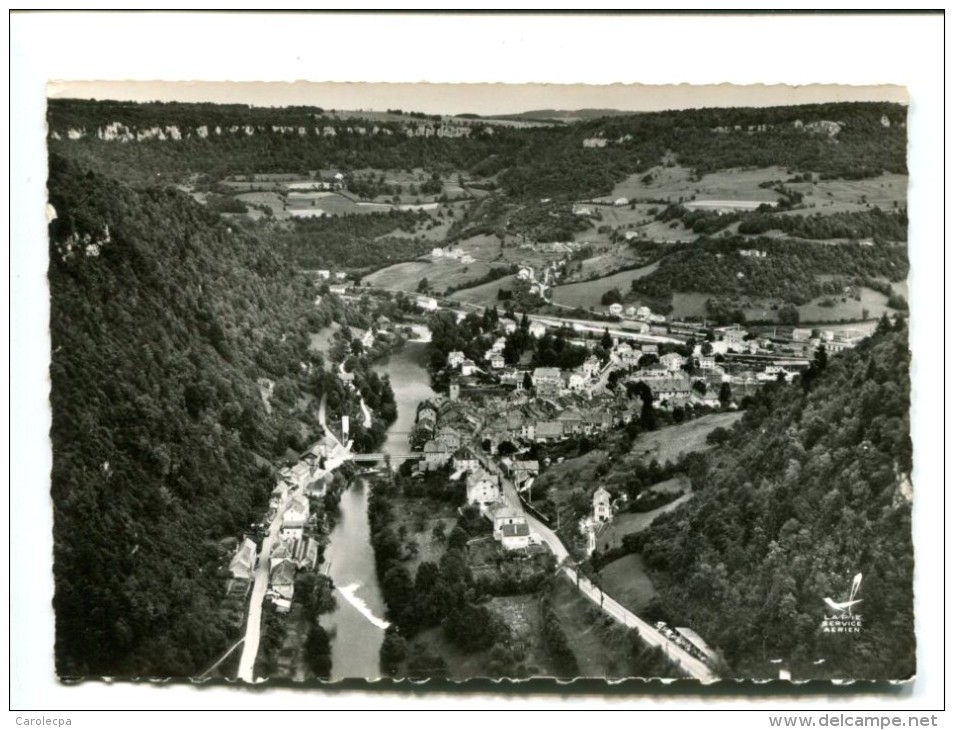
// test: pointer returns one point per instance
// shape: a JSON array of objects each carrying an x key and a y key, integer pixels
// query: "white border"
[{"x": 904, "y": 50}]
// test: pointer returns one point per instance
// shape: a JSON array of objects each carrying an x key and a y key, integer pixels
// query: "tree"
[
  {"x": 506, "y": 448},
  {"x": 423, "y": 285},
  {"x": 725, "y": 394},
  {"x": 647, "y": 417},
  {"x": 788, "y": 315},
  {"x": 527, "y": 381},
  {"x": 393, "y": 649},
  {"x": 884, "y": 324},
  {"x": 613, "y": 296},
  {"x": 606, "y": 341},
  {"x": 318, "y": 651}
]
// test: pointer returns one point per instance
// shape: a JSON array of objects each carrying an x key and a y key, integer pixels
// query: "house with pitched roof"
[
  {"x": 465, "y": 459},
  {"x": 515, "y": 536},
  {"x": 435, "y": 456},
  {"x": 243, "y": 562},
  {"x": 282, "y": 579},
  {"x": 483, "y": 488},
  {"x": 547, "y": 381}
]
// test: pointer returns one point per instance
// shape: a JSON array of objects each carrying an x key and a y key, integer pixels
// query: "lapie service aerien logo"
[{"x": 843, "y": 617}]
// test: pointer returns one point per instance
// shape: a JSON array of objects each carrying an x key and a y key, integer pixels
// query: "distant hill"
[
  {"x": 564, "y": 115},
  {"x": 528, "y": 159}
]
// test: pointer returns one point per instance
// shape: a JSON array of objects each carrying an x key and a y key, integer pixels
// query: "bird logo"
[{"x": 845, "y": 607}]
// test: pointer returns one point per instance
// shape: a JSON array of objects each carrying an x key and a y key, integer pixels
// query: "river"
[{"x": 358, "y": 622}]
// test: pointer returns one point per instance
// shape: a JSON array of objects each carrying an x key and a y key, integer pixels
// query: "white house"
[
  {"x": 368, "y": 338},
  {"x": 483, "y": 488},
  {"x": 643, "y": 313},
  {"x": 282, "y": 579},
  {"x": 591, "y": 366},
  {"x": 338, "y": 288},
  {"x": 508, "y": 325},
  {"x": 468, "y": 367},
  {"x": 673, "y": 361},
  {"x": 497, "y": 361},
  {"x": 435, "y": 456},
  {"x": 706, "y": 362},
  {"x": 619, "y": 202},
  {"x": 630, "y": 311},
  {"x": 243, "y": 562},
  {"x": 525, "y": 273},
  {"x": 616, "y": 309},
  {"x": 426, "y": 303},
  {"x": 465, "y": 460},
  {"x": 297, "y": 509},
  {"x": 601, "y": 505},
  {"x": 455, "y": 358},
  {"x": 323, "y": 274},
  {"x": 448, "y": 438},
  {"x": 536, "y": 330},
  {"x": 576, "y": 380},
  {"x": 437, "y": 252},
  {"x": 499, "y": 344}
]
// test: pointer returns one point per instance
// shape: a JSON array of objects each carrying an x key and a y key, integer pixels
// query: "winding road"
[{"x": 688, "y": 663}]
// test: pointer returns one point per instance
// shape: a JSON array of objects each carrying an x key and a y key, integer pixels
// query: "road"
[
  {"x": 688, "y": 663},
  {"x": 253, "y": 626},
  {"x": 337, "y": 456}
]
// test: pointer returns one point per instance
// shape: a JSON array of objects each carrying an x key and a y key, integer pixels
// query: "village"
[{"x": 503, "y": 419}]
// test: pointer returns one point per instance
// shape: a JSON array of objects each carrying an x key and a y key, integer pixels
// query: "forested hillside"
[
  {"x": 162, "y": 319},
  {"x": 793, "y": 271},
  {"x": 811, "y": 489}
]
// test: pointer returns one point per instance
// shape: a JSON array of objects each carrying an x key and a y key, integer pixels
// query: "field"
[
  {"x": 693, "y": 304},
  {"x": 627, "y": 523},
  {"x": 626, "y": 580},
  {"x": 320, "y": 342},
  {"x": 445, "y": 272},
  {"x": 675, "y": 184},
  {"x": 439, "y": 273},
  {"x": 587, "y": 294},
  {"x": 836, "y": 196},
  {"x": 671, "y": 442},
  {"x": 601, "y": 645},
  {"x": 873, "y": 302},
  {"x": 485, "y": 294},
  {"x": 523, "y": 618},
  {"x": 416, "y": 519},
  {"x": 672, "y": 183}
]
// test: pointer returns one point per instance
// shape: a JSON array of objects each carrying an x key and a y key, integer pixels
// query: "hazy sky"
[{"x": 476, "y": 98}]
